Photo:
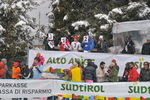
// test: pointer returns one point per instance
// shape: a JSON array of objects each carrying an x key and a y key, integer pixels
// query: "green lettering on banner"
[
  {"x": 49, "y": 60},
  {"x": 139, "y": 89},
  {"x": 102, "y": 88},
  {"x": 58, "y": 60},
  {"x": 90, "y": 88},
  {"x": 54, "y": 61},
  {"x": 97, "y": 88},
  {"x": 137, "y": 64},
  {"x": 143, "y": 89},
  {"x": 148, "y": 89},
  {"x": 63, "y": 60},
  {"x": 136, "y": 89},
  {"x": 140, "y": 65},
  {"x": 82, "y": 88},
  {"x": 68, "y": 86},
  {"x": 75, "y": 87},
  {"x": 71, "y": 61},
  {"x": 130, "y": 89},
  {"x": 63, "y": 87}
]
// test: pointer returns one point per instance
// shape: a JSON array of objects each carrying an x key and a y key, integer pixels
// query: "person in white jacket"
[{"x": 100, "y": 73}]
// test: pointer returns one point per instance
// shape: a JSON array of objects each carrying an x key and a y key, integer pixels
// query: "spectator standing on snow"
[
  {"x": 36, "y": 69},
  {"x": 102, "y": 45},
  {"x": 146, "y": 48},
  {"x": 112, "y": 73},
  {"x": 64, "y": 45},
  {"x": 2, "y": 70},
  {"x": 88, "y": 45},
  {"x": 133, "y": 75},
  {"x": 25, "y": 71},
  {"x": 89, "y": 73},
  {"x": 49, "y": 44},
  {"x": 129, "y": 46},
  {"x": 76, "y": 45},
  {"x": 7, "y": 71},
  {"x": 100, "y": 73},
  {"x": 126, "y": 72},
  {"x": 76, "y": 73},
  {"x": 145, "y": 72},
  {"x": 16, "y": 70}
]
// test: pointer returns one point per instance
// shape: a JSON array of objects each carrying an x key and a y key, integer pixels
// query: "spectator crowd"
[
  {"x": 80, "y": 72},
  {"x": 89, "y": 44}
]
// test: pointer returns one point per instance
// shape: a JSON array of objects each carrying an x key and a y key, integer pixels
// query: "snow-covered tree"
[
  {"x": 17, "y": 27},
  {"x": 99, "y": 14}
]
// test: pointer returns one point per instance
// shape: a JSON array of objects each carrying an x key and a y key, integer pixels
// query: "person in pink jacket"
[
  {"x": 133, "y": 75},
  {"x": 41, "y": 62}
]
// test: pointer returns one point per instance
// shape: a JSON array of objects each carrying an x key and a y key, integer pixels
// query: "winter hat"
[
  {"x": 16, "y": 64},
  {"x": 2, "y": 65},
  {"x": 4, "y": 60},
  {"x": 76, "y": 37},
  {"x": 114, "y": 61}
]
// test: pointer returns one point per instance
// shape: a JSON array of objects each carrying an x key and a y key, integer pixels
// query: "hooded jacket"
[
  {"x": 133, "y": 75},
  {"x": 90, "y": 72},
  {"x": 88, "y": 46}
]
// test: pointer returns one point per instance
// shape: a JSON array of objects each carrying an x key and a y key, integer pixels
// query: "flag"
[
  {"x": 92, "y": 98},
  {"x": 120, "y": 98},
  {"x": 142, "y": 98},
  {"x": 147, "y": 98},
  {"x": 85, "y": 97},
  {"x": 111, "y": 98},
  {"x": 80, "y": 97},
  {"x": 74, "y": 96}
]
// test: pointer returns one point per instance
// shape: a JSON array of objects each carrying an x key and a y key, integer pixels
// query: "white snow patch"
[
  {"x": 56, "y": 2},
  {"x": 3, "y": 5},
  {"x": 133, "y": 5},
  {"x": 20, "y": 23},
  {"x": 103, "y": 16},
  {"x": 19, "y": 4},
  {"x": 2, "y": 40},
  {"x": 104, "y": 27},
  {"x": 78, "y": 24},
  {"x": 144, "y": 12},
  {"x": 117, "y": 10},
  {"x": 65, "y": 17},
  {"x": 1, "y": 28}
]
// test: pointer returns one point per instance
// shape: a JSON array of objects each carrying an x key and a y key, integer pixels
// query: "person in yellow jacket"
[{"x": 76, "y": 73}]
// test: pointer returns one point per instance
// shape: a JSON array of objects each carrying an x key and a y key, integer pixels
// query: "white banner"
[
  {"x": 46, "y": 88},
  {"x": 64, "y": 60},
  {"x": 130, "y": 26}
]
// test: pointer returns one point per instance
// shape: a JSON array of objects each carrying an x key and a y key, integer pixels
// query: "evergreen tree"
[
  {"x": 100, "y": 14},
  {"x": 17, "y": 26}
]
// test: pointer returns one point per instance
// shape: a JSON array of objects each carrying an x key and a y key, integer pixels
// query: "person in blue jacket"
[{"x": 88, "y": 46}]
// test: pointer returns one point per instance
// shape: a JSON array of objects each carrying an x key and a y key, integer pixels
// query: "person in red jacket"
[
  {"x": 2, "y": 70},
  {"x": 133, "y": 75}
]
